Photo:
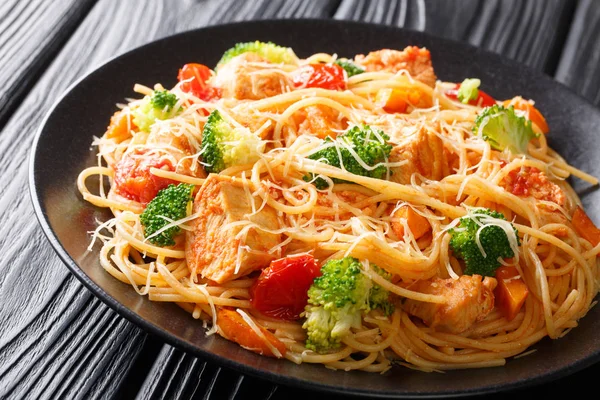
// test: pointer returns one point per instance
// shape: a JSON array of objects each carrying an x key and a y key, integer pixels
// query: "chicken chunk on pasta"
[
  {"x": 531, "y": 182},
  {"x": 226, "y": 242},
  {"x": 415, "y": 60},
  {"x": 250, "y": 77},
  {"x": 424, "y": 153},
  {"x": 468, "y": 299},
  {"x": 321, "y": 121}
]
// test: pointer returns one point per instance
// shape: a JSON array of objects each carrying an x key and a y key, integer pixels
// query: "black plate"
[{"x": 62, "y": 150}]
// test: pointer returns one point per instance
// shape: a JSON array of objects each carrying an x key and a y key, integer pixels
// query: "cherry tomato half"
[
  {"x": 281, "y": 289},
  {"x": 483, "y": 100},
  {"x": 325, "y": 76},
  {"x": 194, "y": 77},
  {"x": 133, "y": 179}
]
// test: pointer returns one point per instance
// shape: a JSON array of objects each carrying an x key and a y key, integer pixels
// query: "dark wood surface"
[{"x": 56, "y": 339}]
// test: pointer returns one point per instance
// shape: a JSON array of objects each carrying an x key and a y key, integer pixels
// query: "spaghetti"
[{"x": 273, "y": 200}]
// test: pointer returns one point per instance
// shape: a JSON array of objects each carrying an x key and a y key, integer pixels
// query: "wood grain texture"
[
  {"x": 531, "y": 32},
  {"x": 579, "y": 65},
  {"x": 59, "y": 341},
  {"x": 31, "y": 32}
]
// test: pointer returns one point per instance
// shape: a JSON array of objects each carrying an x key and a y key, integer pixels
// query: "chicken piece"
[
  {"x": 212, "y": 247},
  {"x": 354, "y": 199},
  {"x": 415, "y": 60},
  {"x": 468, "y": 299},
  {"x": 321, "y": 121},
  {"x": 179, "y": 147},
  {"x": 531, "y": 182},
  {"x": 249, "y": 77},
  {"x": 425, "y": 154}
]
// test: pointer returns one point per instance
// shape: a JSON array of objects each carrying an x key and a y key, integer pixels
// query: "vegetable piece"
[
  {"x": 193, "y": 78},
  {"x": 324, "y": 76},
  {"x": 232, "y": 326},
  {"x": 120, "y": 126},
  {"x": 532, "y": 113},
  {"x": 281, "y": 289},
  {"x": 418, "y": 224},
  {"x": 468, "y": 92},
  {"x": 511, "y": 292},
  {"x": 133, "y": 179},
  {"x": 350, "y": 67},
  {"x": 269, "y": 51},
  {"x": 225, "y": 145},
  {"x": 585, "y": 227},
  {"x": 398, "y": 100},
  {"x": 159, "y": 106},
  {"x": 481, "y": 238},
  {"x": 503, "y": 129},
  {"x": 368, "y": 144},
  {"x": 170, "y": 204},
  {"x": 336, "y": 301}
]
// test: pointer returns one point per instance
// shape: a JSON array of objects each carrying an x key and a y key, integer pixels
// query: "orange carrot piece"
[
  {"x": 120, "y": 126},
  {"x": 232, "y": 326},
  {"x": 398, "y": 100},
  {"x": 585, "y": 227},
  {"x": 418, "y": 224},
  {"x": 534, "y": 114},
  {"x": 511, "y": 291}
]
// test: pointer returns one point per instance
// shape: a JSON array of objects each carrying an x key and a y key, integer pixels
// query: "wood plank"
[
  {"x": 31, "y": 32},
  {"x": 579, "y": 65},
  {"x": 528, "y": 31},
  {"x": 59, "y": 341}
]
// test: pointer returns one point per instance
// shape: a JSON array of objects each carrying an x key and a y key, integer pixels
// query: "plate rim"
[{"x": 189, "y": 348}]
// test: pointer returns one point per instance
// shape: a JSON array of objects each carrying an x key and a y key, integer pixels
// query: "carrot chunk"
[
  {"x": 585, "y": 227},
  {"x": 418, "y": 224},
  {"x": 398, "y": 100},
  {"x": 232, "y": 326},
  {"x": 533, "y": 114},
  {"x": 120, "y": 126},
  {"x": 511, "y": 291}
]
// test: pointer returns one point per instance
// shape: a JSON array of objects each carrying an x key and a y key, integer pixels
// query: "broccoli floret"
[
  {"x": 351, "y": 68},
  {"x": 224, "y": 145},
  {"x": 370, "y": 145},
  {"x": 158, "y": 106},
  {"x": 503, "y": 129},
  {"x": 172, "y": 203},
  {"x": 493, "y": 239},
  {"x": 468, "y": 90},
  {"x": 336, "y": 301},
  {"x": 269, "y": 51}
]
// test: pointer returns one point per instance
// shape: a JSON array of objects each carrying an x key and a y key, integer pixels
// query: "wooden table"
[{"x": 56, "y": 339}]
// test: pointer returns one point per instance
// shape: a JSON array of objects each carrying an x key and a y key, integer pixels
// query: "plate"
[{"x": 62, "y": 149}]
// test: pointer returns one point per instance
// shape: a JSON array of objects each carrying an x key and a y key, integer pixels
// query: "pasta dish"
[{"x": 358, "y": 213}]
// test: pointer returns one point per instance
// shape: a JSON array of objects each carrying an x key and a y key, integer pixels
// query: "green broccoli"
[
  {"x": 158, "y": 106},
  {"x": 493, "y": 238},
  {"x": 351, "y": 68},
  {"x": 336, "y": 301},
  {"x": 224, "y": 145},
  {"x": 170, "y": 203},
  {"x": 269, "y": 51},
  {"x": 368, "y": 144},
  {"x": 503, "y": 129},
  {"x": 468, "y": 90}
]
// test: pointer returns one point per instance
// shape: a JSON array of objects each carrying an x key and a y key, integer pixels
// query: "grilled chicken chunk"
[
  {"x": 249, "y": 76},
  {"x": 425, "y": 154},
  {"x": 468, "y": 299},
  {"x": 415, "y": 60},
  {"x": 321, "y": 121},
  {"x": 213, "y": 246},
  {"x": 180, "y": 148}
]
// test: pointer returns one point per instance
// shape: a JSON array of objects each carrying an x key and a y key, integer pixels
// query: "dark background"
[{"x": 59, "y": 341}]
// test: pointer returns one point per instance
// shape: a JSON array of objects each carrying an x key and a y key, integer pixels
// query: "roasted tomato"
[
  {"x": 325, "y": 76},
  {"x": 133, "y": 179},
  {"x": 281, "y": 289},
  {"x": 193, "y": 77},
  {"x": 483, "y": 100}
]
